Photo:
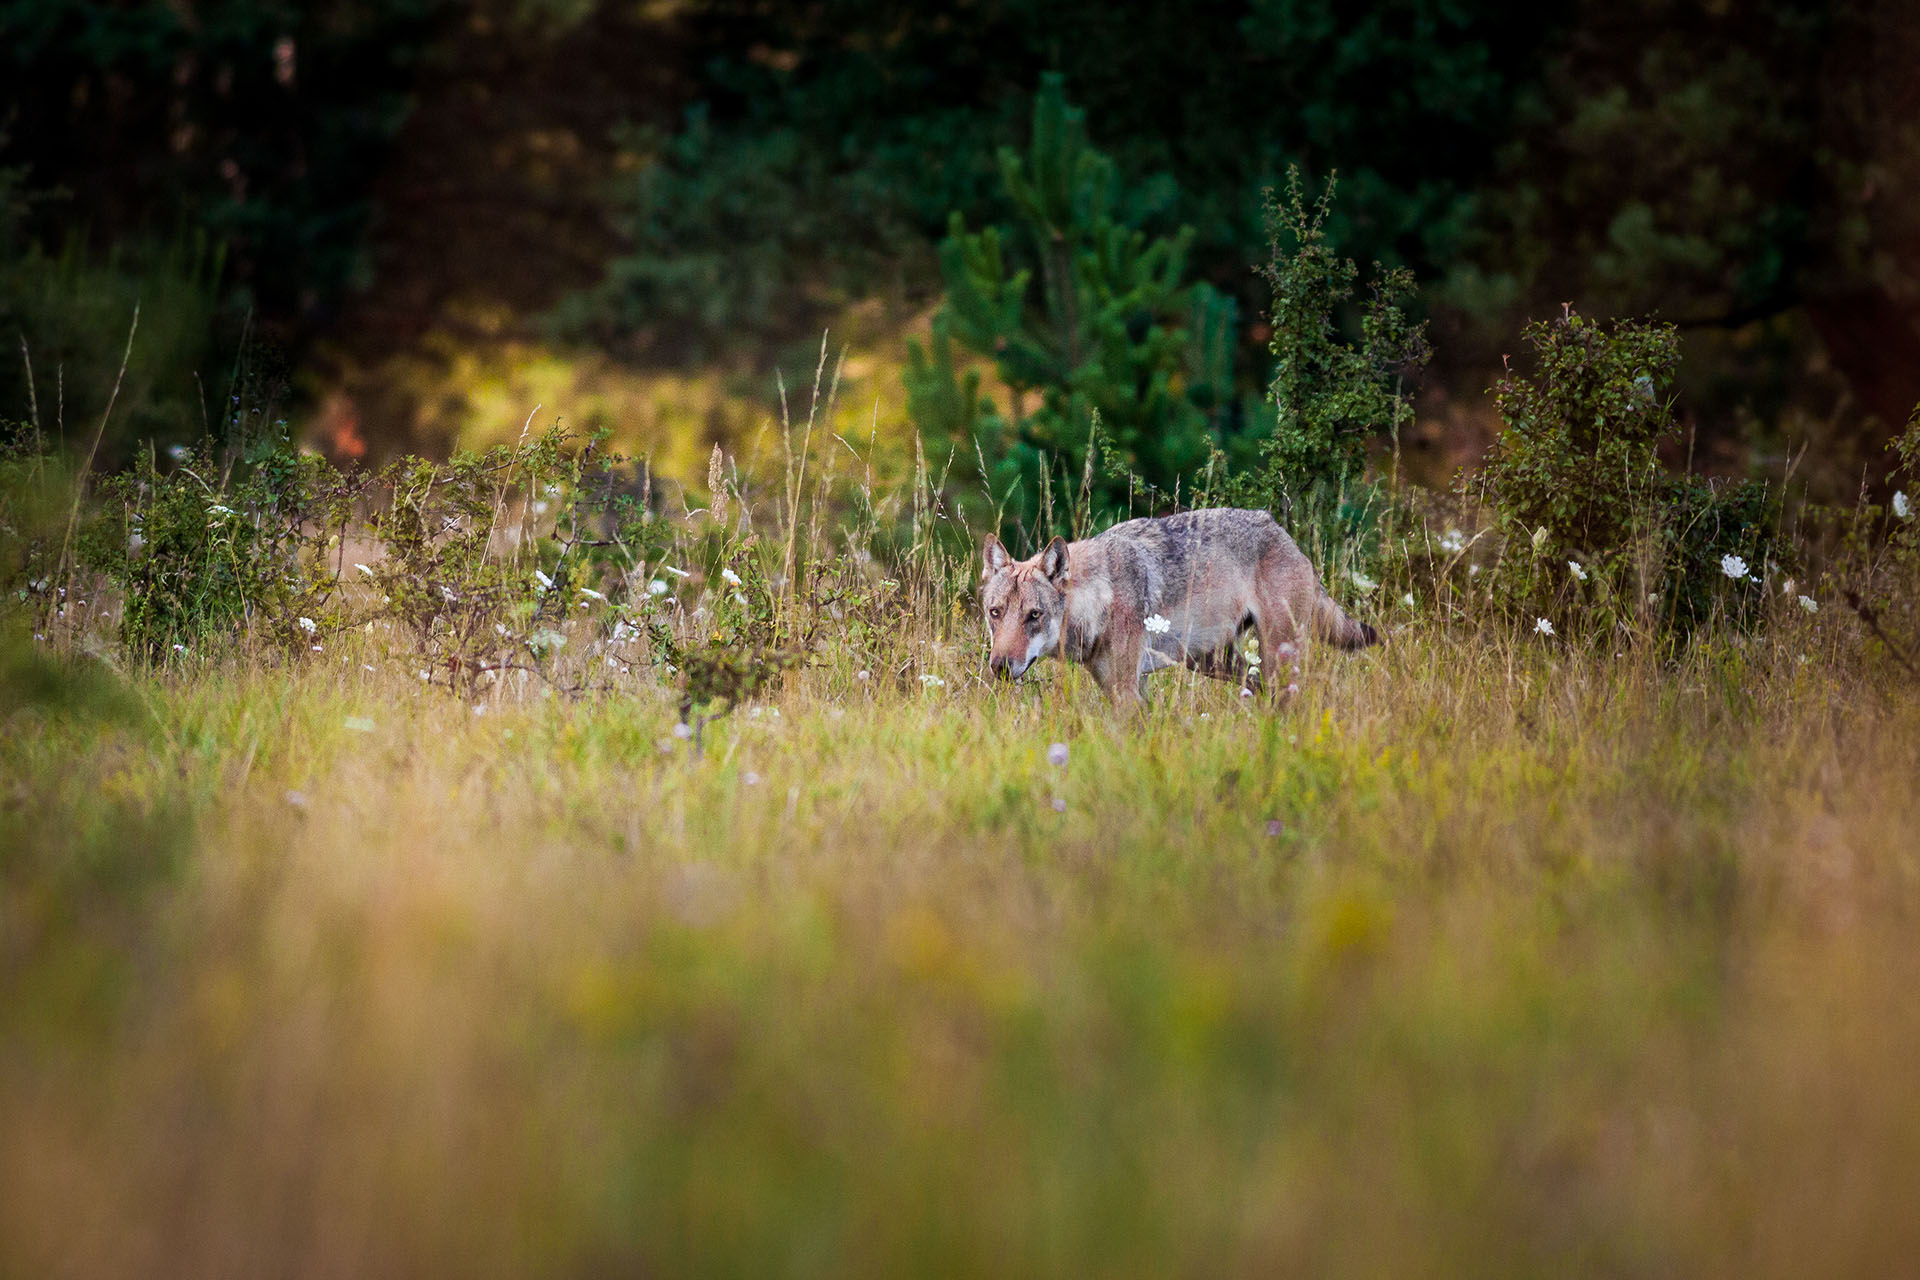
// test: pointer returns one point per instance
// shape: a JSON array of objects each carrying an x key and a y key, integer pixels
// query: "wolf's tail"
[{"x": 1331, "y": 624}]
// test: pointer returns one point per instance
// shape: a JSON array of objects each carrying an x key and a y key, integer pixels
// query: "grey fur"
[{"x": 1210, "y": 574}]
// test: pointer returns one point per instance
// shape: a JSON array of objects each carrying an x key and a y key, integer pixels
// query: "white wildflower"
[
  {"x": 546, "y": 583},
  {"x": 1542, "y": 626},
  {"x": 678, "y": 573},
  {"x": 1158, "y": 625},
  {"x": 1809, "y": 604},
  {"x": 1540, "y": 538},
  {"x": 932, "y": 681},
  {"x": 1473, "y": 570},
  {"x": 1579, "y": 573},
  {"x": 1362, "y": 581},
  {"x": 1057, "y": 755},
  {"x": 1453, "y": 542},
  {"x": 623, "y": 632},
  {"x": 738, "y": 598},
  {"x": 729, "y": 577},
  {"x": 363, "y": 568},
  {"x": 656, "y": 588},
  {"x": 1901, "y": 507},
  {"x": 751, "y": 778},
  {"x": 863, "y": 675},
  {"x": 308, "y": 625},
  {"x": 1407, "y": 600},
  {"x": 1733, "y": 566},
  {"x": 591, "y": 594},
  {"x": 683, "y": 730}
]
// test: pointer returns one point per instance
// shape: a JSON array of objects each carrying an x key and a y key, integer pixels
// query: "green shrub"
[
  {"x": 200, "y": 549},
  {"x": 1595, "y": 535},
  {"x": 1331, "y": 394}
]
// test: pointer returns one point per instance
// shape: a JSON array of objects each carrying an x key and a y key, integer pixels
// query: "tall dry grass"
[{"x": 1484, "y": 958}]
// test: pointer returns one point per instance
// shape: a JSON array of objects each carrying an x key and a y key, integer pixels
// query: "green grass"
[{"x": 1556, "y": 965}]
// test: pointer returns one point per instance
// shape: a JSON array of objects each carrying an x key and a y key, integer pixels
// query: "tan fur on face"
[{"x": 1024, "y": 608}]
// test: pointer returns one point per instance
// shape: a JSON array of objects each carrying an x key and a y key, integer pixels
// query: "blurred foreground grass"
[{"x": 1482, "y": 959}]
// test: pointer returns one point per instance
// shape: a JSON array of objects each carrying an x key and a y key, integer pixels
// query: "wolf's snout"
[{"x": 1002, "y": 667}]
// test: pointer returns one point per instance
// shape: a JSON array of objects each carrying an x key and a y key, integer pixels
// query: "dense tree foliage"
[{"x": 707, "y": 182}]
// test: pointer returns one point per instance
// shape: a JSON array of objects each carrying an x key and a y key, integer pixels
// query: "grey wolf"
[{"x": 1147, "y": 594}]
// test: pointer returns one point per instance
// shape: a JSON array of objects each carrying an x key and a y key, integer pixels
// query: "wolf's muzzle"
[{"x": 1008, "y": 668}]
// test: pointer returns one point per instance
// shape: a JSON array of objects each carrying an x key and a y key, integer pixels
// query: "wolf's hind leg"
[{"x": 1283, "y": 628}]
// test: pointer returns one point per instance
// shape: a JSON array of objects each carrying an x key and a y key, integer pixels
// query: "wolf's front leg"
[{"x": 1117, "y": 665}]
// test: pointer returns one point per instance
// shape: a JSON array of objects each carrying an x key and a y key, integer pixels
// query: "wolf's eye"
[
  {"x": 994, "y": 613},
  {"x": 1033, "y": 616}
]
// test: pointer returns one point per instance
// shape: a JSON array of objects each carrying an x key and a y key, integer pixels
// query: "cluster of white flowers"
[
  {"x": 1453, "y": 542},
  {"x": 1901, "y": 507},
  {"x": 932, "y": 681},
  {"x": 1809, "y": 604},
  {"x": 1362, "y": 581},
  {"x": 729, "y": 577},
  {"x": 1542, "y": 626},
  {"x": 1577, "y": 570},
  {"x": 308, "y": 625},
  {"x": 1733, "y": 566},
  {"x": 657, "y": 587},
  {"x": 1158, "y": 625}
]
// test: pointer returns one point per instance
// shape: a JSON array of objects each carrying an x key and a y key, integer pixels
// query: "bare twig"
[
  {"x": 1871, "y": 617},
  {"x": 80, "y": 481}
]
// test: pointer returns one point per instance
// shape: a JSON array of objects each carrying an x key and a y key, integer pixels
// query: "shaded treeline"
[{"x": 706, "y": 184}]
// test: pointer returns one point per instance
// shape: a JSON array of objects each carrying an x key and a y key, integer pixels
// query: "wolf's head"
[{"x": 1026, "y": 605}]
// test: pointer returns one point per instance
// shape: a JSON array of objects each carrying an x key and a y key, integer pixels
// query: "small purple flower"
[
  {"x": 1275, "y": 826},
  {"x": 1057, "y": 755}
]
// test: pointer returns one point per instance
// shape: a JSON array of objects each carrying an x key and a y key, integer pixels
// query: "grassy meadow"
[{"x": 1485, "y": 956}]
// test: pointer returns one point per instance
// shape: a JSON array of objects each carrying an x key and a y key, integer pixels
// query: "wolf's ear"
[
  {"x": 995, "y": 555},
  {"x": 1053, "y": 561}
]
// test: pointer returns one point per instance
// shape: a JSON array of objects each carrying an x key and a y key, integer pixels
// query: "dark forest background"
[{"x": 361, "y": 193}]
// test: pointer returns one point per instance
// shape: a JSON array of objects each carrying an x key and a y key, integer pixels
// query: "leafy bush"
[
  {"x": 1113, "y": 331},
  {"x": 1330, "y": 396},
  {"x": 1595, "y": 534},
  {"x": 203, "y": 548}
]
